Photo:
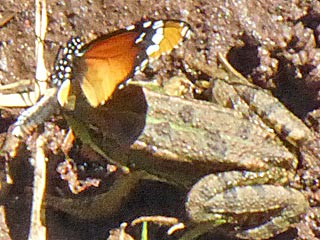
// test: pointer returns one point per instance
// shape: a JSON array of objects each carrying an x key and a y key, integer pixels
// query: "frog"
[
  {"x": 224, "y": 160},
  {"x": 259, "y": 203}
]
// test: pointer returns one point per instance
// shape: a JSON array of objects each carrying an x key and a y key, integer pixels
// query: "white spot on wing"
[
  {"x": 147, "y": 24},
  {"x": 121, "y": 86},
  {"x": 131, "y": 27},
  {"x": 68, "y": 69},
  {"x": 185, "y": 32},
  {"x": 140, "y": 38},
  {"x": 157, "y": 24},
  {"x": 80, "y": 54},
  {"x": 158, "y": 36},
  {"x": 143, "y": 64},
  {"x": 152, "y": 49}
]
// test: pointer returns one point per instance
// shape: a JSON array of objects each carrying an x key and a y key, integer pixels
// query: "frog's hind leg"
[{"x": 296, "y": 204}]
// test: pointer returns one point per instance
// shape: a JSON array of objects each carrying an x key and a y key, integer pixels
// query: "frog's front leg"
[{"x": 263, "y": 209}]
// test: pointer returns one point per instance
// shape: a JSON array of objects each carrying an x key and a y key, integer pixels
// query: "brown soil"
[{"x": 275, "y": 43}]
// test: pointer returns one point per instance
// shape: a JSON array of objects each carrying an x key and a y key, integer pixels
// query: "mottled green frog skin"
[
  {"x": 259, "y": 202},
  {"x": 240, "y": 198}
]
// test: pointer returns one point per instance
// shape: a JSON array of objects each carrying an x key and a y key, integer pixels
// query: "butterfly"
[{"x": 101, "y": 66}]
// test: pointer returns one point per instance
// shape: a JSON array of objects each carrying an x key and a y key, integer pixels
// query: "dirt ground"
[{"x": 273, "y": 42}]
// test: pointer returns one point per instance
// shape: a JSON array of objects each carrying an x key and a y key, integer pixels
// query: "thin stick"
[
  {"x": 37, "y": 230},
  {"x": 40, "y": 31},
  {"x": 22, "y": 83}
]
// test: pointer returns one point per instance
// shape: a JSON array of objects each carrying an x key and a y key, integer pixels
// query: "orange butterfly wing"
[
  {"x": 112, "y": 59},
  {"x": 174, "y": 32},
  {"x": 109, "y": 62}
]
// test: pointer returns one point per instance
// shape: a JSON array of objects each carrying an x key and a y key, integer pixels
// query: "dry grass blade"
[
  {"x": 161, "y": 220},
  {"x": 40, "y": 30},
  {"x": 18, "y": 99},
  {"x": 6, "y": 17},
  {"x": 37, "y": 229}
]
